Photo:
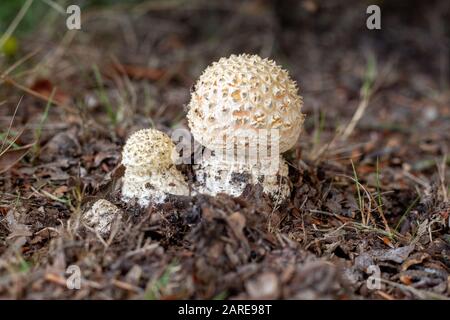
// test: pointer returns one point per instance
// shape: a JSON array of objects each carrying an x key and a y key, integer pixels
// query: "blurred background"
[{"x": 325, "y": 45}]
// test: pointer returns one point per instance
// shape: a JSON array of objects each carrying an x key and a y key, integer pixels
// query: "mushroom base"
[
  {"x": 215, "y": 176},
  {"x": 152, "y": 186}
]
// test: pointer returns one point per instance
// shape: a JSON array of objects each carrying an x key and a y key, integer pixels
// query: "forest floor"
[{"x": 365, "y": 199}]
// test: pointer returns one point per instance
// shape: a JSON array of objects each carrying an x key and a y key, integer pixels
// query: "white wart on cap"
[
  {"x": 238, "y": 95},
  {"x": 150, "y": 174}
]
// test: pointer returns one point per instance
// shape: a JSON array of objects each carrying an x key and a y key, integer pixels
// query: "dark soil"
[{"x": 131, "y": 67}]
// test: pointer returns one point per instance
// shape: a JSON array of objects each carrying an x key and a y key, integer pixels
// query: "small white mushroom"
[
  {"x": 101, "y": 216},
  {"x": 150, "y": 173},
  {"x": 239, "y": 102}
]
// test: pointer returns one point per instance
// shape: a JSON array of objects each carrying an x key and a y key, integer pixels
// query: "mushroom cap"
[
  {"x": 236, "y": 96},
  {"x": 148, "y": 148}
]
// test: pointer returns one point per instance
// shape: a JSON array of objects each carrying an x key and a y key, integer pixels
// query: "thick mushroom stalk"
[
  {"x": 238, "y": 102},
  {"x": 150, "y": 173},
  {"x": 215, "y": 175}
]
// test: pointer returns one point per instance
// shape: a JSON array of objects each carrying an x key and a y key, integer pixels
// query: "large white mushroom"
[
  {"x": 150, "y": 173},
  {"x": 238, "y": 102}
]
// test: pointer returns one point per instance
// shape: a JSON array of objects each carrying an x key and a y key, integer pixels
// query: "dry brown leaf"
[
  {"x": 138, "y": 72},
  {"x": 45, "y": 88},
  {"x": 10, "y": 157},
  {"x": 416, "y": 258}
]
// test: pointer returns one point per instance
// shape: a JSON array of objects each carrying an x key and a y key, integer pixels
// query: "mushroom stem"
[
  {"x": 153, "y": 185},
  {"x": 214, "y": 175}
]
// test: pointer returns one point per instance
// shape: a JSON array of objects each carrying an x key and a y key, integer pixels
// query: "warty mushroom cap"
[
  {"x": 148, "y": 148},
  {"x": 236, "y": 96}
]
